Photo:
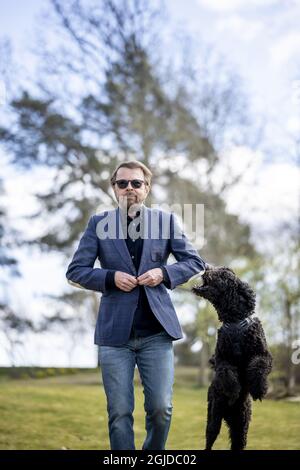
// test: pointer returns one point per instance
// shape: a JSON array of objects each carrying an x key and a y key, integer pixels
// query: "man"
[{"x": 137, "y": 323}]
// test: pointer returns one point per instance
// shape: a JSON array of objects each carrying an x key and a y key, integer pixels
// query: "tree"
[
  {"x": 130, "y": 114},
  {"x": 8, "y": 263},
  {"x": 281, "y": 298},
  {"x": 122, "y": 107},
  {"x": 13, "y": 327}
]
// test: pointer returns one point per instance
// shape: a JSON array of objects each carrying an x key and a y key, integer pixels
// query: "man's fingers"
[
  {"x": 147, "y": 281},
  {"x": 144, "y": 278},
  {"x": 152, "y": 278},
  {"x": 131, "y": 279},
  {"x": 128, "y": 276},
  {"x": 126, "y": 287},
  {"x": 125, "y": 281},
  {"x": 129, "y": 283}
]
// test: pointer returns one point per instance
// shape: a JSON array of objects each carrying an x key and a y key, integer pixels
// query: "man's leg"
[
  {"x": 155, "y": 360},
  {"x": 117, "y": 367}
]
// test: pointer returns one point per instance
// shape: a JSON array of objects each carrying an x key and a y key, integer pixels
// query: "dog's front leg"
[
  {"x": 260, "y": 363},
  {"x": 256, "y": 375}
]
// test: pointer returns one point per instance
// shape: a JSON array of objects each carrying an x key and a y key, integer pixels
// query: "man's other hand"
[{"x": 151, "y": 278}]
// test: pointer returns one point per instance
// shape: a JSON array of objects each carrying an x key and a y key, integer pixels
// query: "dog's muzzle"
[{"x": 198, "y": 288}]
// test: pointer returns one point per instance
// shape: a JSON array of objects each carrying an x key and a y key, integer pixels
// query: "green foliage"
[{"x": 38, "y": 372}]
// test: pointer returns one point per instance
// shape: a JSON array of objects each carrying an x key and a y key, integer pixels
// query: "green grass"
[{"x": 70, "y": 412}]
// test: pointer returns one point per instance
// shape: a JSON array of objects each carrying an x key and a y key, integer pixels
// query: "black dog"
[{"x": 241, "y": 360}]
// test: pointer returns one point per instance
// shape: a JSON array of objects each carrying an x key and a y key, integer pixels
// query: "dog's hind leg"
[
  {"x": 214, "y": 420},
  {"x": 238, "y": 422}
]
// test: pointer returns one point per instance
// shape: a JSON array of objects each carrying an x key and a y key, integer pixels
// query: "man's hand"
[
  {"x": 151, "y": 278},
  {"x": 125, "y": 281}
]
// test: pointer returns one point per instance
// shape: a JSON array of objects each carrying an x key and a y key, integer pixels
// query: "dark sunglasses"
[{"x": 122, "y": 184}]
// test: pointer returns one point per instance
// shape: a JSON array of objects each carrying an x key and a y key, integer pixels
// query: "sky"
[{"x": 261, "y": 40}]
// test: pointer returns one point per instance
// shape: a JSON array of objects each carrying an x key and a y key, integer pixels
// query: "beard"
[
  {"x": 131, "y": 199},
  {"x": 130, "y": 203}
]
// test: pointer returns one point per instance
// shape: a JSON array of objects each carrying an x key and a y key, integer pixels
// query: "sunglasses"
[{"x": 122, "y": 184}]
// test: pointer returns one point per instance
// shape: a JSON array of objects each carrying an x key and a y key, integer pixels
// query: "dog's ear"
[{"x": 247, "y": 295}]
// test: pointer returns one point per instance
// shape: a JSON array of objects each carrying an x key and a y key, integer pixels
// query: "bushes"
[{"x": 37, "y": 372}]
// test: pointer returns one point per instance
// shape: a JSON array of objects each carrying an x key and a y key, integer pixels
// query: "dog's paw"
[{"x": 258, "y": 391}]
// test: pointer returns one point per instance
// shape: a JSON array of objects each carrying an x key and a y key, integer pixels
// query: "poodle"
[{"x": 241, "y": 360}]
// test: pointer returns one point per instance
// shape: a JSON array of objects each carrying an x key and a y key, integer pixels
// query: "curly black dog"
[{"x": 241, "y": 361}]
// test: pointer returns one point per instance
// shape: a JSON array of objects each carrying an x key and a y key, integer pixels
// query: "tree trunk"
[
  {"x": 290, "y": 373},
  {"x": 204, "y": 371}
]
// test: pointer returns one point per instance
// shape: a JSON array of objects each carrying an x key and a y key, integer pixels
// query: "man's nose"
[{"x": 129, "y": 185}]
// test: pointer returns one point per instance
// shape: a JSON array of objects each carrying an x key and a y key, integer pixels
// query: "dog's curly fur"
[{"x": 241, "y": 361}]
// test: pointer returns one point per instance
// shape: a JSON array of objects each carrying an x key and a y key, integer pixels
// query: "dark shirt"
[{"x": 144, "y": 323}]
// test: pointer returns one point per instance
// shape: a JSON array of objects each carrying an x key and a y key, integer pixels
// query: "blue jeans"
[{"x": 154, "y": 357}]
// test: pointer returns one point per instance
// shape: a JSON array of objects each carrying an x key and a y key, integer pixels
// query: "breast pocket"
[{"x": 156, "y": 255}]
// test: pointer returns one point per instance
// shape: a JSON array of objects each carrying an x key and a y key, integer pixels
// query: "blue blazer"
[{"x": 117, "y": 308}]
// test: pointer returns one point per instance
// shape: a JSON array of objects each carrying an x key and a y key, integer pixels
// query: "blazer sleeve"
[
  {"x": 81, "y": 272},
  {"x": 188, "y": 260}
]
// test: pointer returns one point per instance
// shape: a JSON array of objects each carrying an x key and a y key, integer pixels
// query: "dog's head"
[{"x": 233, "y": 299}]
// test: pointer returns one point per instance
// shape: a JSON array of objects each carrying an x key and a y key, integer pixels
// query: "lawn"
[{"x": 70, "y": 412}]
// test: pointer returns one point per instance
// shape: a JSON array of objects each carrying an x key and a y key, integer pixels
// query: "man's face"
[{"x": 132, "y": 195}]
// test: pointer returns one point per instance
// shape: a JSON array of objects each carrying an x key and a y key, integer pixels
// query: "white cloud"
[
  {"x": 239, "y": 160},
  {"x": 286, "y": 48},
  {"x": 293, "y": 125},
  {"x": 245, "y": 29},
  {"x": 268, "y": 200},
  {"x": 230, "y": 5},
  {"x": 266, "y": 196}
]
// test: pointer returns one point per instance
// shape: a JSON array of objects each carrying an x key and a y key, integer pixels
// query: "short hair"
[{"x": 133, "y": 164}]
